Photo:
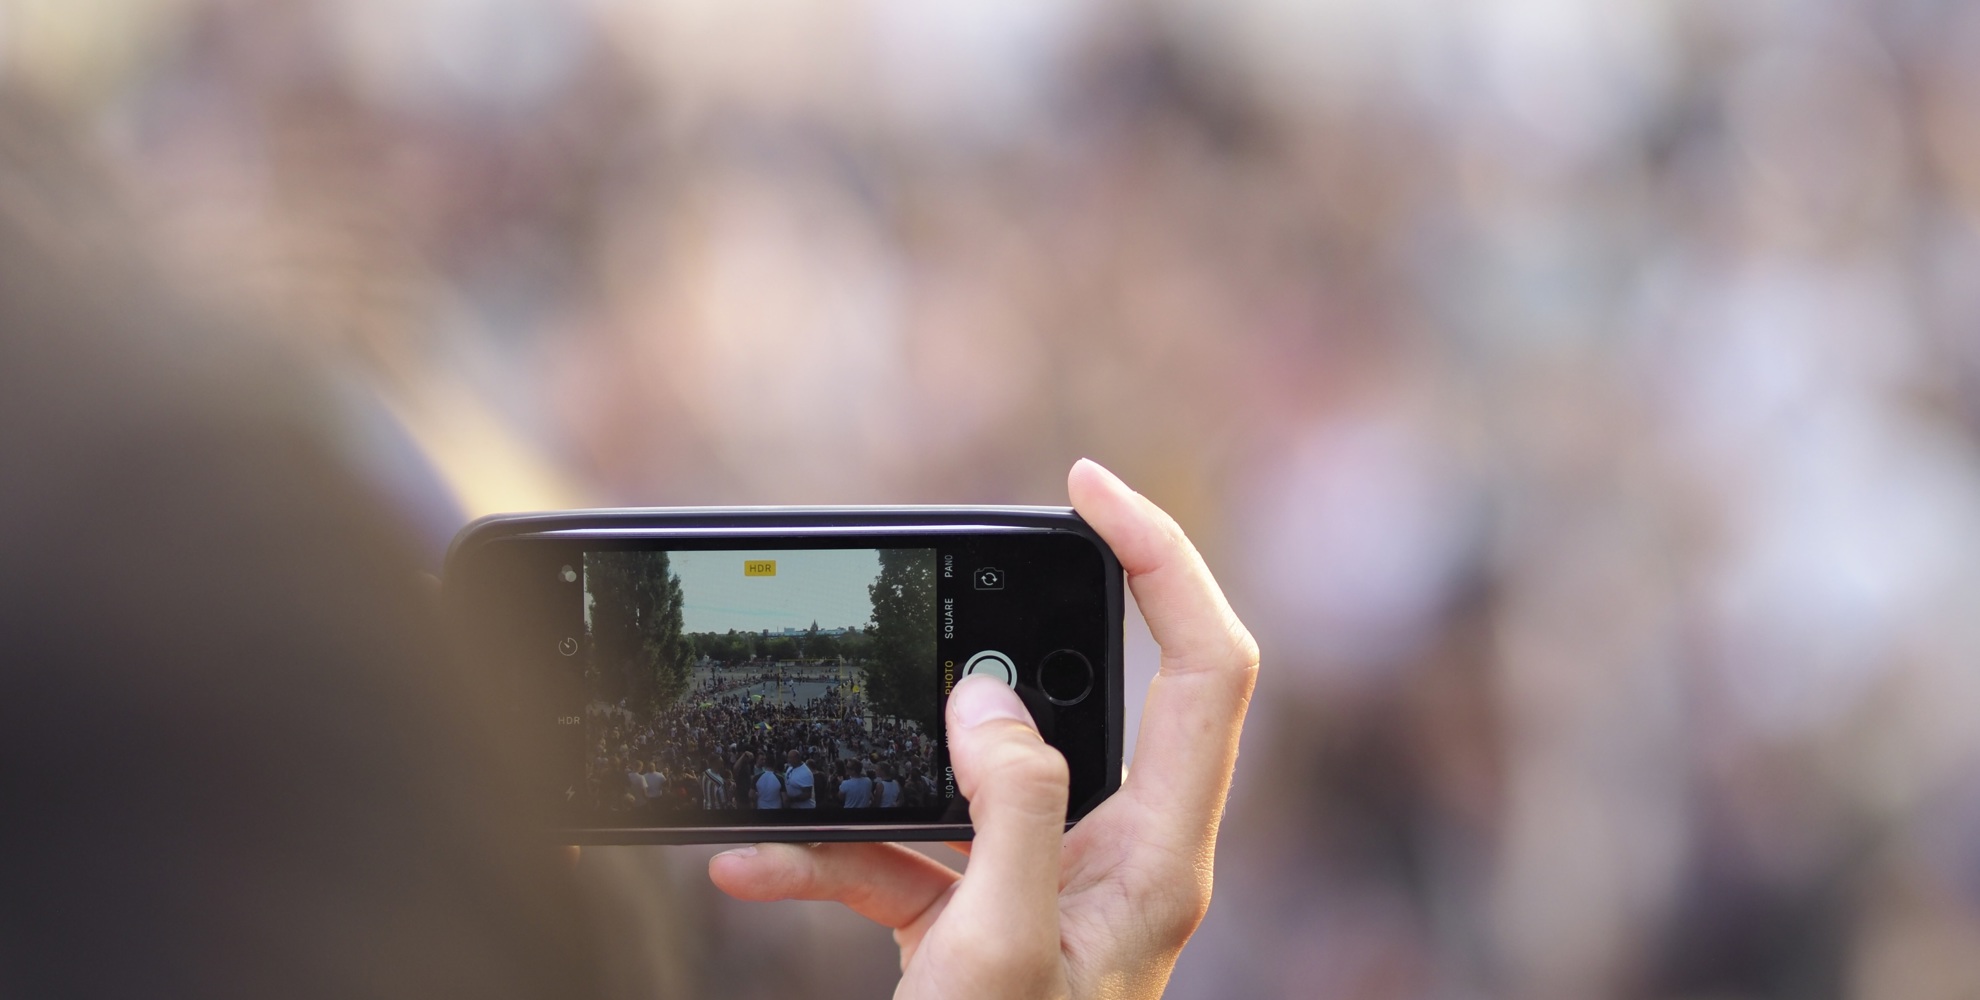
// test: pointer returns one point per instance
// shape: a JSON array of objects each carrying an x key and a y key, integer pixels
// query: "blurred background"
[{"x": 1581, "y": 402}]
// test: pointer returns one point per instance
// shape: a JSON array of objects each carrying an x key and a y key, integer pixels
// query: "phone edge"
[{"x": 492, "y": 527}]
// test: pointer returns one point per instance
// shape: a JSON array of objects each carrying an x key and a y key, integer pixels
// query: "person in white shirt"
[
  {"x": 890, "y": 790},
  {"x": 856, "y": 791},
  {"x": 656, "y": 783},
  {"x": 769, "y": 789},
  {"x": 798, "y": 782}
]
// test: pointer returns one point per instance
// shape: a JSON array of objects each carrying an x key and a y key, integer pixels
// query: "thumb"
[{"x": 1016, "y": 787}]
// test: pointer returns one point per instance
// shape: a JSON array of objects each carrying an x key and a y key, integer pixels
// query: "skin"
[{"x": 1103, "y": 910}]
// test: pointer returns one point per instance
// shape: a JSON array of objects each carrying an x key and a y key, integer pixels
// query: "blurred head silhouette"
[{"x": 234, "y": 760}]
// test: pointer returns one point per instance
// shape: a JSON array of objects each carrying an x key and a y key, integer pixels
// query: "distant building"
[{"x": 797, "y": 633}]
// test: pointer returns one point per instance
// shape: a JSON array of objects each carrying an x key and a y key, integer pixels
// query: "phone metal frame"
[{"x": 742, "y": 522}]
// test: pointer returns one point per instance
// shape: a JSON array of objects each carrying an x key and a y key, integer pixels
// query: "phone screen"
[
  {"x": 691, "y": 682},
  {"x": 718, "y": 680}
]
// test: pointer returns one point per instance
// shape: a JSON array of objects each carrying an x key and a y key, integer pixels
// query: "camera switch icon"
[{"x": 989, "y": 578}]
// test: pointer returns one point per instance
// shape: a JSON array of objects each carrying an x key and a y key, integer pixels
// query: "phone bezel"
[{"x": 744, "y": 522}]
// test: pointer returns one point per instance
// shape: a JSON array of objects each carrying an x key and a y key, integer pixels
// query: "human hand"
[{"x": 1102, "y": 910}]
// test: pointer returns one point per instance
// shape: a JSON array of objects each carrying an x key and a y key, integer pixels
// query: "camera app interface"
[{"x": 783, "y": 684}]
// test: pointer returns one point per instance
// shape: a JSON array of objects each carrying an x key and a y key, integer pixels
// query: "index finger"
[{"x": 1196, "y": 704}]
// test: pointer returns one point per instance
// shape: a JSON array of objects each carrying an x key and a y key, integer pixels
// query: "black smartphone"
[{"x": 703, "y": 675}]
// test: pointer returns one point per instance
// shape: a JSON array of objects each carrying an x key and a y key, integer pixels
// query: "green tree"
[
  {"x": 901, "y": 678},
  {"x": 638, "y": 651},
  {"x": 856, "y": 646},
  {"x": 822, "y": 647},
  {"x": 728, "y": 648},
  {"x": 780, "y": 647}
]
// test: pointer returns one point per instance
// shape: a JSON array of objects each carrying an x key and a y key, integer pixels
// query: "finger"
[
  {"x": 1016, "y": 787},
  {"x": 885, "y": 883},
  {"x": 1186, "y": 612},
  {"x": 571, "y": 855},
  {"x": 1195, "y": 709}
]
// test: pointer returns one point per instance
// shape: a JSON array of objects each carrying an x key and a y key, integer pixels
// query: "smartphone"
[{"x": 704, "y": 675}]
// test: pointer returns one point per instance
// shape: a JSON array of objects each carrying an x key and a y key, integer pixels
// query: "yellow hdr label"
[{"x": 759, "y": 567}]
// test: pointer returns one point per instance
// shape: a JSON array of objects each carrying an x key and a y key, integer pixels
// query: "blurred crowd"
[{"x": 1580, "y": 401}]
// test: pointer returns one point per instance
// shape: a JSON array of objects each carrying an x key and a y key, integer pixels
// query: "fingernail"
[
  {"x": 978, "y": 700},
  {"x": 740, "y": 852}
]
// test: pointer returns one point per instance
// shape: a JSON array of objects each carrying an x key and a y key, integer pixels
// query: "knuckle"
[
  {"x": 1026, "y": 771},
  {"x": 1244, "y": 649},
  {"x": 799, "y": 876},
  {"x": 1039, "y": 771},
  {"x": 1226, "y": 650},
  {"x": 1244, "y": 652},
  {"x": 1169, "y": 529}
]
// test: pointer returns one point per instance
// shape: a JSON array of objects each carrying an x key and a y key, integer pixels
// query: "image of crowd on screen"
[{"x": 740, "y": 751}]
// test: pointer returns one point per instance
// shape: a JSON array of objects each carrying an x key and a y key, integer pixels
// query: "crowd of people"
[{"x": 749, "y": 742}]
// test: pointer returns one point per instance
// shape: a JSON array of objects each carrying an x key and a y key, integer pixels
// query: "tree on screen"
[
  {"x": 780, "y": 648},
  {"x": 901, "y": 677},
  {"x": 726, "y": 648},
  {"x": 738, "y": 647},
  {"x": 820, "y": 646},
  {"x": 856, "y": 646},
  {"x": 638, "y": 650}
]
